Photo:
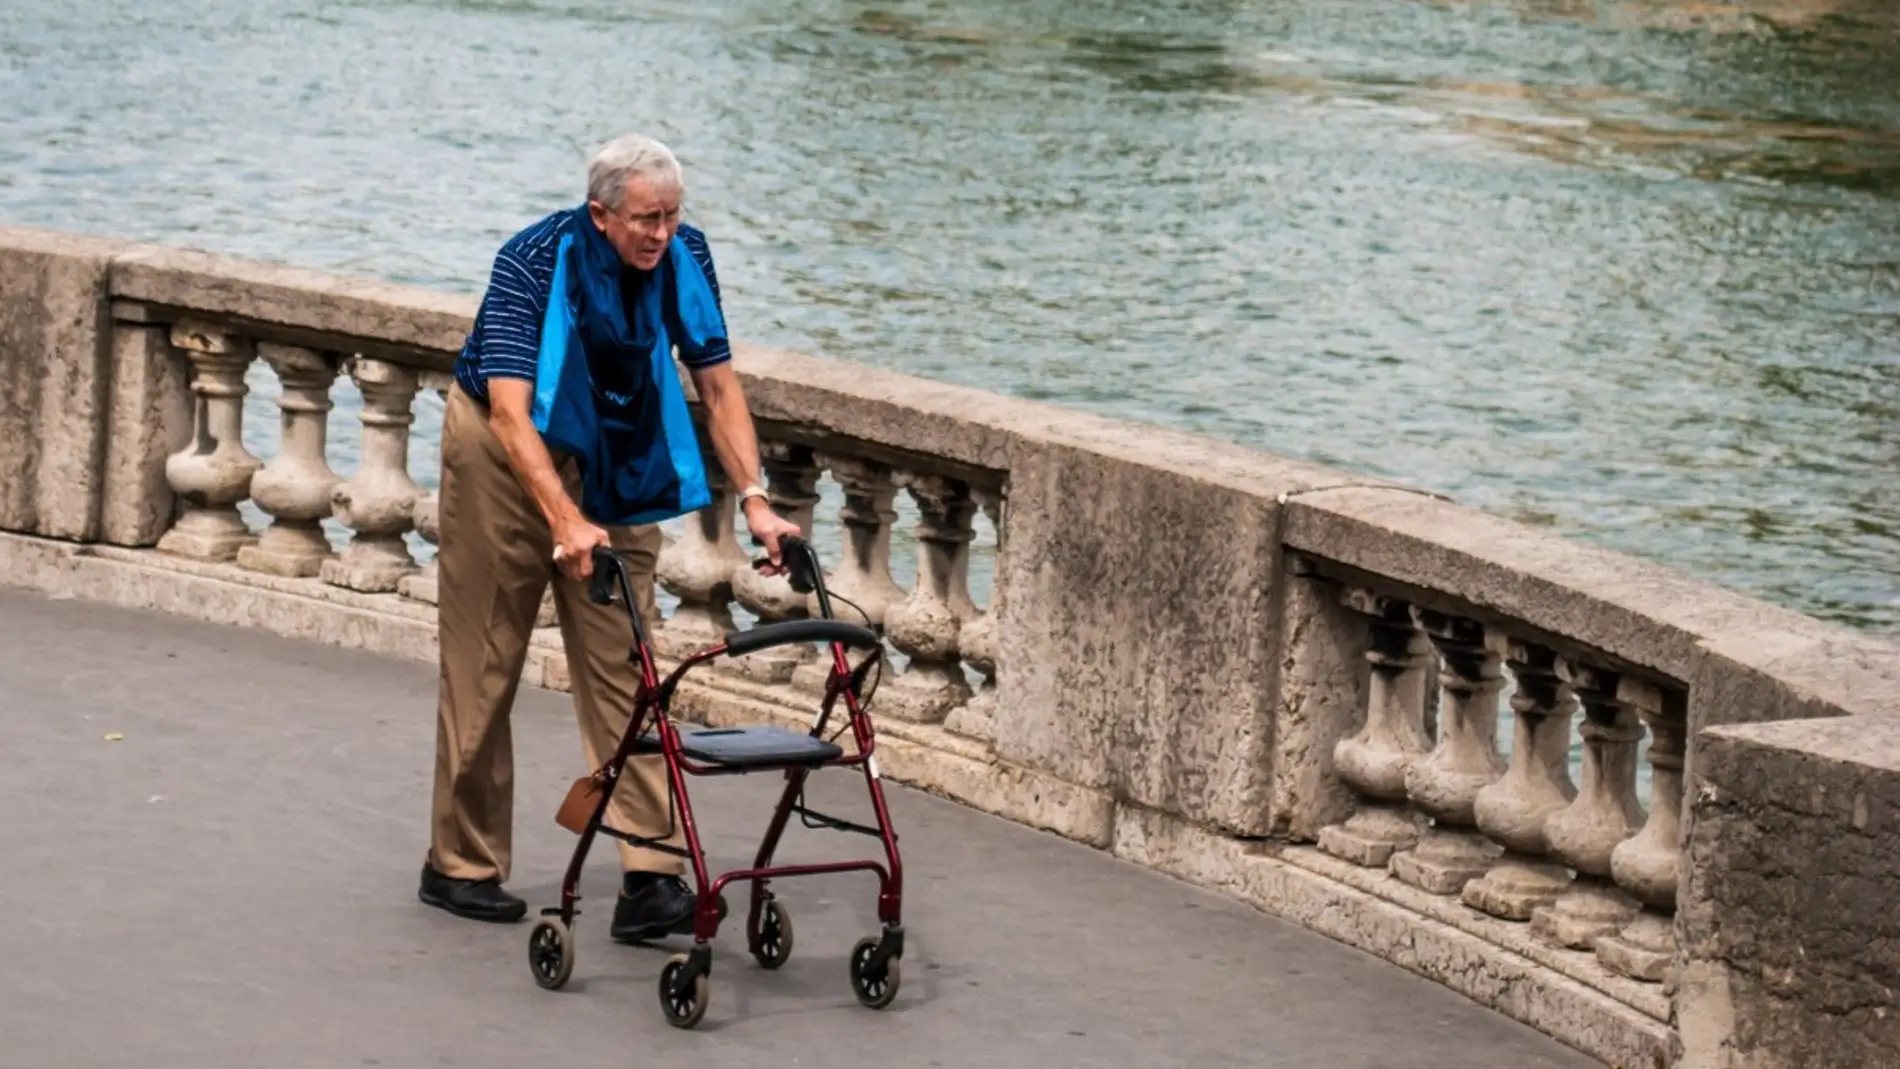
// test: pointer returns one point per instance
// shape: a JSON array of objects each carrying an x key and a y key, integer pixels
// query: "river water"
[{"x": 1628, "y": 270}]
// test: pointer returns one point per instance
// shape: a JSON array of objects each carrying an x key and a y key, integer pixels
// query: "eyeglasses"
[{"x": 660, "y": 220}]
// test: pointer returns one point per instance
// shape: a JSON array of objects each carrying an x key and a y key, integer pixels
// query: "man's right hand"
[{"x": 574, "y": 543}]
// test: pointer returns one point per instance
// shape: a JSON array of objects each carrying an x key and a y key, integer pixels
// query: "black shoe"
[
  {"x": 652, "y": 905},
  {"x": 481, "y": 900}
]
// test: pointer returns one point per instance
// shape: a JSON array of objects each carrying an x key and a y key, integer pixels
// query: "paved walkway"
[{"x": 232, "y": 883}]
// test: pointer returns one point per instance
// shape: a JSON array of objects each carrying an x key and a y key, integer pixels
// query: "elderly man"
[{"x": 566, "y": 429}]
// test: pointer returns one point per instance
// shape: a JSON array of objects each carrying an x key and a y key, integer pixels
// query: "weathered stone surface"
[
  {"x": 212, "y": 474},
  {"x": 1790, "y": 917},
  {"x": 1643, "y": 951},
  {"x": 1802, "y": 671},
  {"x": 831, "y": 398},
  {"x": 1132, "y": 663},
  {"x": 1481, "y": 967},
  {"x": 149, "y": 420},
  {"x": 294, "y": 486},
  {"x": 1647, "y": 614},
  {"x": 378, "y": 503},
  {"x": 1515, "y": 890},
  {"x": 1372, "y": 836},
  {"x": 1646, "y": 999},
  {"x": 1590, "y": 911},
  {"x": 422, "y": 585},
  {"x": 55, "y": 344},
  {"x": 1319, "y": 688},
  {"x": 965, "y": 426},
  {"x": 314, "y": 301},
  {"x": 220, "y": 593},
  {"x": 1445, "y": 861}
]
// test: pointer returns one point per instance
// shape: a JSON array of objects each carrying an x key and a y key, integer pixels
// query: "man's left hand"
[{"x": 768, "y": 527}]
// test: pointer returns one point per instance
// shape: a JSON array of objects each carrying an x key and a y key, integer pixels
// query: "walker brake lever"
[
  {"x": 796, "y": 554},
  {"x": 600, "y": 588}
]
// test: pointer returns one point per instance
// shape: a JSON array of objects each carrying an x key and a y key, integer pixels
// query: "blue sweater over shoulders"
[{"x": 506, "y": 341}]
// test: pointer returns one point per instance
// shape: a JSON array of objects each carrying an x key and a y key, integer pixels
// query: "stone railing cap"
[
  {"x": 303, "y": 300},
  {"x": 1643, "y": 612},
  {"x": 981, "y": 428},
  {"x": 62, "y": 242},
  {"x": 1867, "y": 742}
]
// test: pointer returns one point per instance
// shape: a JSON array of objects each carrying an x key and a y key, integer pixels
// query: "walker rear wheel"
[
  {"x": 874, "y": 986},
  {"x": 774, "y": 942},
  {"x": 551, "y": 952},
  {"x": 686, "y": 1007}
]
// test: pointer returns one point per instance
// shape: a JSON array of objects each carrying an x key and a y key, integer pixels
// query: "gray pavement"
[{"x": 233, "y": 884}]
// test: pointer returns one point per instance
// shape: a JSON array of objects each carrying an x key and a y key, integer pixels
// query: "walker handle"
[
  {"x": 600, "y": 589},
  {"x": 803, "y": 562},
  {"x": 800, "y": 561},
  {"x": 740, "y": 643}
]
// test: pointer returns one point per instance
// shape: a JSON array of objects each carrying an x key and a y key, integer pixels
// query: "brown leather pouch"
[{"x": 578, "y": 807}]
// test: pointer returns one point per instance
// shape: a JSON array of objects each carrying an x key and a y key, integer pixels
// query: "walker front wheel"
[
  {"x": 683, "y": 1001},
  {"x": 875, "y": 986},
  {"x": 551, "y": 952},
  {"x": 773, "y": 945}
]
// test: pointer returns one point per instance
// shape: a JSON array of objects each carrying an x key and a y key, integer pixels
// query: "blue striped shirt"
[{"x": 506, "y": 341}]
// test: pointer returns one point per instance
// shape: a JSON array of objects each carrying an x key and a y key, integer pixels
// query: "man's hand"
[
  {"x": 768, "y": 527},
  {"x": 736, "y": 444},
  {"x": 574, "y": 543}
]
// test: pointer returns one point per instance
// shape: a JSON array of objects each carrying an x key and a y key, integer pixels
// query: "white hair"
[{"x": 628, "y": 157}]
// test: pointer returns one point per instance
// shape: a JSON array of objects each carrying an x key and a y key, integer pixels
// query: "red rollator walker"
[{"x": 683, "y": 985}]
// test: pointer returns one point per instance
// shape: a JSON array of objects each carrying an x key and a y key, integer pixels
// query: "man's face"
[{"x": 642, "y": 226}]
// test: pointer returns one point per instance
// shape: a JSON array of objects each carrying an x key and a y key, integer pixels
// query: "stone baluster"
[
  {"x": 1374, "y": 761},
  {"x": 791, "y": 481},
  {"x": 421, "y": 585},
  {"x": 697, "y": 569},
  {"x": 1513, "y": 810},
  {"x": 213, "y": 472},
  {"x": 1647, "y": 866},
  {"x": 1585, "y": 834},
  {"x": 976, "y": 642},
  {"x": 1463, "y": 762},
  {"x": 295, "y": 486},
  {"x": 927, "y": 625},
  {"x": 378, "y": 502},
  {"x": 863, "y": 577}
]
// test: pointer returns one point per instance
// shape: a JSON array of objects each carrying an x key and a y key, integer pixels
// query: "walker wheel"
[
  {"x": 551, "y": 952},
  {"x": 685, "y": 1009},
  {"x": 874, "y": 987},
  {"x": 774, "y": 942}
]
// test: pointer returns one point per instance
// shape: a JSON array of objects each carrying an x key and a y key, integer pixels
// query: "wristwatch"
[{"x": 755, "y": 490}]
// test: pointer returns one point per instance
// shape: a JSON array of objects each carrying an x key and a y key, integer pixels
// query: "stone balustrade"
[
  {"x": 383, "y": 501},
  {"x": 1466, "y": 746},
  {"x": 1518, "y": 840}
]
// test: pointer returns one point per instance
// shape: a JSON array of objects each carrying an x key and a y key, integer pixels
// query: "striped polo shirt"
[{"x": 506, "y": 341}]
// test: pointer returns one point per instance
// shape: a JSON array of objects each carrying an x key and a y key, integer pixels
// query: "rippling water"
[{"x": 1630, "y": 270}]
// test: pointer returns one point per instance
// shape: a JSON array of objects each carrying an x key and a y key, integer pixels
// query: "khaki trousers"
[{"x": 495, "y": 560}]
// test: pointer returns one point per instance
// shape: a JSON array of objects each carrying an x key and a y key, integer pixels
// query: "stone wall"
[
  {"x": 1791, "y": 936},
  {"x": 1265, "y": 676},
  {"x": 55, "y": 382}
]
